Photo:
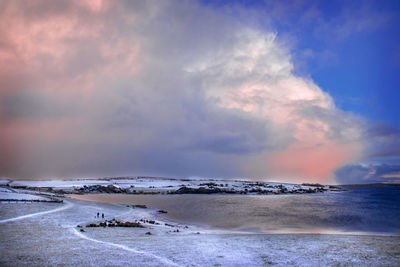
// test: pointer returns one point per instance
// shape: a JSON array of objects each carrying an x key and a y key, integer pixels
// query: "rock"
[
  {"x": 130, "y": 224},
  {"x": 148, "y": 233},
  {"x": 101, "y": 189},
  {"x": 92, "y": 225},
  {"x": 163, "y": 211},
  {"x": 310, "y": 184},
  {"x": 116, "y": 223},
  {"x": 210, "y": 184},
  {"x": 202, "y": 190},
  {"x": 82, "y": 230},
  {"x": 140, "y": 206}
]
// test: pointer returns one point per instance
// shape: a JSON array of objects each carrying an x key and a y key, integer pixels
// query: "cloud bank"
[{"x": 100, "y": 88}]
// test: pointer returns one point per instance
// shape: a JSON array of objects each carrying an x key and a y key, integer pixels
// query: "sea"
[{"x": 358, "y": 210}]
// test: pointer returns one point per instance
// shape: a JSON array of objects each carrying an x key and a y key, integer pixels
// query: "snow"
[
  {"x": 59, "y": 183},
  {"x": 19, "y": 196},
  {"x": 4, "y": 182},
  {"x": 47, "y": 234},
  {"x": 52, "y": 238},
  {"x": 161, "y": 259},
  {"x": 67, "y": 206},
  {"x": 5, "y": 190},
  {"x": 139, "y": 183},
  {"x": 156, "y": 184}
]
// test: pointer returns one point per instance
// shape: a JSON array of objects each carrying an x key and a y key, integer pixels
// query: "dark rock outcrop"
[
  {"x": 116, "y": 223},
  {"x": 140, "y": 206},
  {"x": 102, "y": 189},
  {"x": 202, "y": 190}
]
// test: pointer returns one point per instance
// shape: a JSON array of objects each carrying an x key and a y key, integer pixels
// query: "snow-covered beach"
[{"x": 41, "y": 233}]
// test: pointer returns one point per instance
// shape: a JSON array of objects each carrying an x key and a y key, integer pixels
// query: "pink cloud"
[
  {"x": 311, "y": 163},
  {"x": 315, "y": 150}
]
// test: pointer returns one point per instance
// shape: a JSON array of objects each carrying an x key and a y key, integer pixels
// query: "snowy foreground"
[{"x": 43, "y": 233}]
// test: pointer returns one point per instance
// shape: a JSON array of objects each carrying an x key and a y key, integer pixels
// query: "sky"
[{"x": 291, "y": 91}]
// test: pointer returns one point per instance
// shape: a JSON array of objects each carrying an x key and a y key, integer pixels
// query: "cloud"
[
  {"x": 102, "y": 88},
  {"x": 368, "y": 173},
  {"x": 380, "y": 157},
  {"x": 31, "y": 105}
]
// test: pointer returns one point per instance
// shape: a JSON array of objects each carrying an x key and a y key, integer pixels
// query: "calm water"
[{"x": 361, "y": 209}]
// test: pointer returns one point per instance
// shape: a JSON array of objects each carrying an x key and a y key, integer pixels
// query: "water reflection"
[{"x": 361, "y": 209}]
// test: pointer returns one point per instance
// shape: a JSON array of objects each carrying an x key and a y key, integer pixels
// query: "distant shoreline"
[
  {"x": 373, "y": 184},
  {"x": 154, "y": 185}
]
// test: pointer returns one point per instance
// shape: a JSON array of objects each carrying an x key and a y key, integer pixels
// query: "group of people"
[{"x": 98, "y": 215}]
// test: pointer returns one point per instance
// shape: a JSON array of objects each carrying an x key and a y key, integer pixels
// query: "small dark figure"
[
  {"x": 98, "y": 214},
  {"x": 102, "y": 215}
]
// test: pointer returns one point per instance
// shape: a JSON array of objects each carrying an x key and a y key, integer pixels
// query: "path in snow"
[
  {"x": 161, "y": 259},
  {"x": 69, "y": 205}
]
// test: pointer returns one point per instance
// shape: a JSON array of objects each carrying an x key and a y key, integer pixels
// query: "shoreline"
[
  {"x": 152, "y": 212},
  {"x": 154, "y": 185},
  {"x": 54, "y": 233},
  {"x": 155, "y": 188}
]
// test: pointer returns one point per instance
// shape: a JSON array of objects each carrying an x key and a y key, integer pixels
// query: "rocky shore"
[
  {"x": 280, "y": 189},
  {"x": 114, "y": 223},
  {"x": 153, "y": 186}
]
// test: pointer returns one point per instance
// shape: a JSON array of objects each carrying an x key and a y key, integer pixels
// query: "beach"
[
  {"x": 54, "y": 239},
  {"x": 42, "y": 233}
]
